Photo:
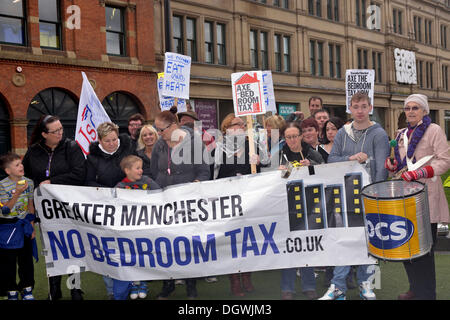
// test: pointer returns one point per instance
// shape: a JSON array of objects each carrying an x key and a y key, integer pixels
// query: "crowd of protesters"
[{"x": 143, "y": 159}]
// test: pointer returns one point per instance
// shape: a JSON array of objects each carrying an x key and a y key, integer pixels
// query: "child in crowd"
[
  {"x": 16, "y": 230},
  {"x": 132, "y": 167}
]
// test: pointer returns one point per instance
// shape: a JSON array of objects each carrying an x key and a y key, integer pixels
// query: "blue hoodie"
[{"x": 374, "y": 142}]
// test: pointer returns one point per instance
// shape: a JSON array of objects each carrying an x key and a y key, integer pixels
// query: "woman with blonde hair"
[{"x": 147, "y": 139}]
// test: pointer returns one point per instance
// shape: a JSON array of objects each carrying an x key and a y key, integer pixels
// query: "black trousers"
[
  {"x": 9, "y": 260},
  {"x": 422, "y": 274}
]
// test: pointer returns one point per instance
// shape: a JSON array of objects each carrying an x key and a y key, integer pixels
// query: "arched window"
[
  {"x": 120, "y": 106},
  {"x": 56, "y": 102}
]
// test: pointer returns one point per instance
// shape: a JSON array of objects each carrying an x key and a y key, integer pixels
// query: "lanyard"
[
  {"x": 47, "y": 171},
  {"x": 169, "y": 161}
]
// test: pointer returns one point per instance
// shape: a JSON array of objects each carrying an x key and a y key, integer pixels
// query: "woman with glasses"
[
  {"x": 170, "y": 165},
  {"x": 53, "y": 159},
  {"x": 420, "y": 140},
  {"x": 297, "y": 153}
]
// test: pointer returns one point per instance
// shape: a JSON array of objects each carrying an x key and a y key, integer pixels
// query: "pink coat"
[{"x": 433, "y": 142}]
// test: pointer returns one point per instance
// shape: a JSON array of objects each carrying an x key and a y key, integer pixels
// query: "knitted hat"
[{"x": 421, "y": 100}]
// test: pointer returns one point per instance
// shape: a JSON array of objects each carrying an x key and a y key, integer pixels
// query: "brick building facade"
[{"x": 42, "y": 56}]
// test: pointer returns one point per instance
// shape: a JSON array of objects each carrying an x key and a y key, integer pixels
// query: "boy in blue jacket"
[{"x": 16, "y": 229}]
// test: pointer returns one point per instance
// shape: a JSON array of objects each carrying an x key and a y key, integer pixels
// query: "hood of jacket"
[
  {"x": 125, "y": 144},
  {"x": 348, "y": 129}
]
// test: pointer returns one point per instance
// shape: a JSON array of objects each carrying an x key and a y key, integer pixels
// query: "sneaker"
[
  {"x": 134, "y": 292},
  {"x": 211, "y": 279},
  {"x": 366, "y": 291},
  {"x": 179, "y": 282},
  {"x": 333, "y": 293},
  {"x": 27, "y": 294},
  {"x": 13, "y": 295},
  {"x": 142, "y": 291}
]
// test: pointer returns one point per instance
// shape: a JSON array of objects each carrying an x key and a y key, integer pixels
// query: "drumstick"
[{"x": 393, "y": 144}]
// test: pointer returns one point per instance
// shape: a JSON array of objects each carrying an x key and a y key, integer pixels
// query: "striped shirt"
[{"x": 7, "y": 189}]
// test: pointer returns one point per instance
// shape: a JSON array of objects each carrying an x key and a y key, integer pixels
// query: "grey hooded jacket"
[{"x": 374, "y": 142}]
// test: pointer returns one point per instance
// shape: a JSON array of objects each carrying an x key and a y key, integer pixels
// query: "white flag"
[{"x": 90, "y": 114}]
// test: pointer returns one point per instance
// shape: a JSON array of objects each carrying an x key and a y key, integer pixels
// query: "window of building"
[
  {"x": 419, "y": 71},
  {"x": 191, "y": 39},
  {"x": 277, "y": 51},
  {"x": 5, "y": 134},
  {"x": 12, "y": 22},
  {"x": 334, "y": 60},
  {"x": 417, "y": 28},
  {"x": 444, "y": 36},
  {"x": 120, "y": 106},
  {"x": 56, "y": 102},
  {"x": 333, "y": 10},
  {"x": 221, "y": 44},
  {"x": 360, "y": 11},
  {"x": 428, "y": 31},
  {"x": 217, "y": 41},
  {"x": 209, "y": 42},
  {"x": 376, "y": 65},
  {"x": 115, "y": 31},
  {"x": 315, "y": 8},
  {"x": 397, "y": 23},
  {"x": 363, "y": 62},
  {"x": 429, "y": 75},
  {"x": 259, "y": 57},
  {"x": 50, "y": 24},
  {"x": 316, "y": 57},
  {"x": 286, "y": 54},
  {"x": 445, "y": 77},
  {"x": 254, "y": 48},
  {"x": 184, "y": 36},
  {"x": 264, "y": 52}
]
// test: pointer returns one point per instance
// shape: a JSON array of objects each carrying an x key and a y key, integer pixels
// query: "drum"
[{"x": 397, "y": 219}]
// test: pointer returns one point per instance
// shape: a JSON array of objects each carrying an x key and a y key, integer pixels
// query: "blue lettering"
[
  {"x": 130, "y": 244},
  {"x": 176, "y": 249},
  {"x": 204, "y": 253},
  {"x": 232, "y": 235},
  {"x": 142, "y": 253},
  {"x": 168, "y": 252},
  {"x": 97, "y": 253},
  {"x": 61, "y": 243},
  {"x": 268, "y": 238},
  {"x": 108, "y": 251},
  {"x": 248, "y": 234},
  {"x": 71, "y": 244}
]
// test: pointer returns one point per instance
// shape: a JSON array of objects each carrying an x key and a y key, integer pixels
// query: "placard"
[
  {"x": 357, "y": 80},
  {"x": 248, "y": 93}
]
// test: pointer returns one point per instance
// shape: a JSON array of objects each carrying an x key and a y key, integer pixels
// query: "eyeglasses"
[
  {"x": 57, "y": 131},
  {"x": 292, "y": 137},
  {"x": 414, "y": 108},
  {"x": 162, "y": 130}
]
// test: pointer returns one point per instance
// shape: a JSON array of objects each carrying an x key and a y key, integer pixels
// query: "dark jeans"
[
  {"x": 9, "y": 260},
  {"x": 422, "y": 274},
  {"x": 169, "y": 287}
]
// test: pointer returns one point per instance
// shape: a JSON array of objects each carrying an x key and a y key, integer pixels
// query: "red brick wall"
[{"x": 62, "y": 70}]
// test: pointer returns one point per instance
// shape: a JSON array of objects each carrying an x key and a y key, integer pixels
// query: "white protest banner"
[
  {"x": 90, "y": 114},
  {"x": 269, "y": 93},
  {"x": 168, "y": 102},
  {"x": 248, "y": 93},
  {"x": 359, "y": 80},
  {"x": 177, "y": 75},
  {"x": 405, "y": 66},
  {"x": 239, "y": 224}
]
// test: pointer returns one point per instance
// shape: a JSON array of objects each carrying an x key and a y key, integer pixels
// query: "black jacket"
[
  {"x": 102, "y": 169},
  {"x": 67, "y": 165},
  {"x": 183, "y": 172},
  {"x": 308, "y": 152}
]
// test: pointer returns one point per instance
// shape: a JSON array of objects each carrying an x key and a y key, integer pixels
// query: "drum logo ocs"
[
  {"x": 388, "y": 231},
  {"x": 392, "y": 228}
]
